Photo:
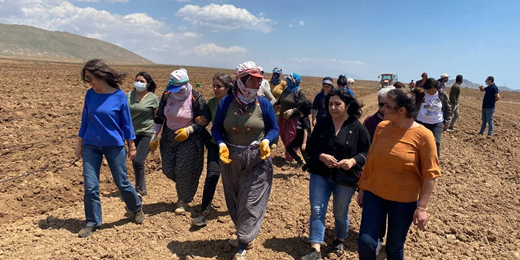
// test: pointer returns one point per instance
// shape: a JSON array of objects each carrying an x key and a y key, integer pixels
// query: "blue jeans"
[
  {"x": 487, "y": 117},
  {"x": 320, "y": 190},
  {"x": 400, "y": 217},
  {"x": 116, "y": 158}
]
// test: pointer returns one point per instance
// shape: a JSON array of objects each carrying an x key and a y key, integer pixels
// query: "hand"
[
  {"x": 131, "y": 153},
  {"x": 420, "y": 218},
  {"x": 329, "y": 160},
  {"x": 347, "y": 164},
  {"x": 481, "y": 88},
  {"x": 446, "y": 125},
  {"x": 78, "y": 152},
  {"x": 287, "y": 114},
  {"x": 359, "y": 198},
  {"x": 304, "y": 147},
  {"x": 223, "y": 152},
  {"x": 265, "y": 151},
  {"x": 314, "y": 122},
  {"x": 200, "y": 120},
  {"x": 154, "y": 143},
  {"x": 182, "y": 134}
]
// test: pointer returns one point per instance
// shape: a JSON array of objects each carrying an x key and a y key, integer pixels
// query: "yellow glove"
[
  {"x": 287, "y": 114},
  {"x": 182, "y": 134},
  {"x": 154, "y": 143},
  {"x": 223, "y": 151},
  {"x": 265, "y": 151}
]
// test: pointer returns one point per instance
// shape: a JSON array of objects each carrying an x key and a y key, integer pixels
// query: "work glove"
[
  {"x": 223, "y": 152},
  {"x": 265, "y": 151},
  {"x": 182, "y": 134},
  {"x": 287, "y": 114},
  {"x": 154, "y": 143}
]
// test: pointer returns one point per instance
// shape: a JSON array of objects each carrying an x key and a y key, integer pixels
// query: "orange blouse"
[{"x": 398, "y": 161}]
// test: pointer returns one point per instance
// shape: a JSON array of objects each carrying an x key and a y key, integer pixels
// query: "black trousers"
[
  {"x": 297, "y": 143},
  {"x": 142, "y": 144},
  {"x": 212, "y": 175}
]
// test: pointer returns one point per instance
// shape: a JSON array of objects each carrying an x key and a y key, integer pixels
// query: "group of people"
[{"x": 392, "y": 159}]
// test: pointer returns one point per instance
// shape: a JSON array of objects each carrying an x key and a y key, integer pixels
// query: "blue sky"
[{"x": 361, "y": 39}]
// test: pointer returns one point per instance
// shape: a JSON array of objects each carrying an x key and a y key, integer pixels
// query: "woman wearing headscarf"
[
  {"x": 182, "y": 147},
  {"x": 318, "y": 106},
  {"x": 277, "y": 87},
  {"x": 244, "y": 126},
  {"x": 289, "y": 113}
]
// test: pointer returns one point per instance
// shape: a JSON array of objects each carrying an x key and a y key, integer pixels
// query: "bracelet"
[{"x": 421, "y": 209}]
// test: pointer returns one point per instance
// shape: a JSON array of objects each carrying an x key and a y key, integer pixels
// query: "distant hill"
[
  {"x": 468, "y": 84},
  {"x": 20, "y": 41}
]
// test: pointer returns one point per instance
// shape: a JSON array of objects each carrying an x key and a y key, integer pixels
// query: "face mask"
[{"x": 140, "y": 86}]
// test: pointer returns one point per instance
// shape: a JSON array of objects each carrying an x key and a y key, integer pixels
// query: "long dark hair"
[
  {"x": 411, "y": 101},
  {"x": 342, "y": 80},
  {"x": 226, "y": 80},
  {"x": 99, "y": 69},
  {"x": 152, "y": 86},
  {"x": 354, "y": 107}
]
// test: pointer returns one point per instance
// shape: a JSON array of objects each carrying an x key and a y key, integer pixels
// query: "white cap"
[
  {"x": 178, "y": 77},
  {"x": 444, "y": 75},
  {"x": 350, "y": 80}
]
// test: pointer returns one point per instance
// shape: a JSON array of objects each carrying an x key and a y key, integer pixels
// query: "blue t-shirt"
[
  {"x": 106, "y": 119},
  {"x": 349, "y": 91},
  {"x": 318, "y": 105},
  {"x": 489, "y": 97}
]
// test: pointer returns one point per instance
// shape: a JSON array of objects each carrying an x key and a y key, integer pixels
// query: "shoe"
[
  {"x": 298, "y": 165},
  {"x": 234, "y": 243},
  {"x": 379, "y": 245},
  {"x": 312, "y": 255},
  {"x": 450, "y": 130},
  {"x": 489, "y": 136},
  {"x": 305, "y": 167},
  {"x": 480, "y": 133},
  {"x": 87, "y": 231},
  {"x": 286, "y": 166},
  {"x": 180, "y": 208},
  {"x": 201, "y": 220},
  {"x": 139, "y": 216},
  {"x": 338, "y": 246},
  {"x": 239, "y": 256},
  {"x": 142, "y": 193}
]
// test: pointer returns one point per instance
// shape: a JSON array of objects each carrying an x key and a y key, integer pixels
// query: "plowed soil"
[{"x": 474, "y": 211}]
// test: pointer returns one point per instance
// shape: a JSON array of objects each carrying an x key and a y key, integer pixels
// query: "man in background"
[
  {"x": 454, "y": 100},
  {"x": 488, "y": 105}
]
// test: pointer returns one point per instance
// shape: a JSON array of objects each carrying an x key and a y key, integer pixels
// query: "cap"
[
  {"x": 248, "y": 67},
  {"x": 177, "y": 79},
  {"x": 444, "y": 75}
]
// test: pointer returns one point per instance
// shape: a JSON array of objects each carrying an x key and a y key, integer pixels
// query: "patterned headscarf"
[
  {"x": 243, "y": 72},
  {"x": 275, "y": 79},
  {"x": 293, "y": 81}
]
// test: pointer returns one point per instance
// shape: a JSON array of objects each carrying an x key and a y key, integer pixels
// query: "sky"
[{"x": 360, "y": 39}]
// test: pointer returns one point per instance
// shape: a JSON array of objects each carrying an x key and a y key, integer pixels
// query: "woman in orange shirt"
[{"x": 399, "y": 175}]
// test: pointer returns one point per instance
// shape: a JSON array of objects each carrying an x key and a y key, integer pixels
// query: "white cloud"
[
  {"x": 302, "y": 23},
  {"x": 224, "y": 18},
  {"x": 213, "y": 50}
]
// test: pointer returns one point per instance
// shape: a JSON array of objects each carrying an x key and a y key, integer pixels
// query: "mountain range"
[{"x": 468, "y": 84}]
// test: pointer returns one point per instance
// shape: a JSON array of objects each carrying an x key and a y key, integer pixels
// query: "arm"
[
  {"x": 267, "y": 92},
  {"x": 420, "y": 217},
  {"x": 271, "y": 126},
  {"x": 217, "y": 130},
  {"x": 497, "y": 97},
  {"x": 201, "y": 109},
  {"x": 159, "y": 118}
]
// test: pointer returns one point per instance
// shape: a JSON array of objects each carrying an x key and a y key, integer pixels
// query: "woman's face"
[
  {"x": 326, "y": 88},
  {"x": 254, "y": 83},
  {"x": 94, "y": 82},
  {"x": 141, "y": 79},
  {"x": 381, "y": 104},
  {"x": 431, "y": 91},
  {"x": 218, "y": 89},
  {"x": 337, "y": 107},
  {"x": 389, "y": 109}
]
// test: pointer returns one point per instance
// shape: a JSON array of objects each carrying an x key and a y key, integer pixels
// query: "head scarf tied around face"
[
  {"x": 243, "y": 72},
  {"x": 275, "y": 79},
  {"x": 179, "y": 85},
  {"x": 293, "y": 81}
]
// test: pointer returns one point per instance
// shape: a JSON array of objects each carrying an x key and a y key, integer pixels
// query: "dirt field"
[{"x": 474, "y": 211}]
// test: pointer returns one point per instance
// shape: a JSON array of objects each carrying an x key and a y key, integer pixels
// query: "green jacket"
[{"x": 454, "y": 93}]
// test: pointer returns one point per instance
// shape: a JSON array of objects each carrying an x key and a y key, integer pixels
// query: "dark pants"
[
  {"x": 291, "y": 149},
  {"x": 212, "y": 176},
  {"x": 142, "y": 144},
  {"x": 400, "y": 217},
  {"x": 437, "y": 133}
]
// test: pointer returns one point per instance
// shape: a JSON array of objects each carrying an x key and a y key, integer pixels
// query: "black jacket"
[
  {"x": 352, "y": 141},
  {"x": 199, "y": 106}
]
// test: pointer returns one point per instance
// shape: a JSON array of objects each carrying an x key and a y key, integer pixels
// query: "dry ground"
[{"x": 474, "y": 209}]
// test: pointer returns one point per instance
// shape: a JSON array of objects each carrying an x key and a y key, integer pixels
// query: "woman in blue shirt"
[{"x": 105, "y": 125}]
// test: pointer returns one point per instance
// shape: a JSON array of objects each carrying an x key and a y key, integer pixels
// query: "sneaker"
[
  {"x": 286, "y": 166},
  {"x": 312, "y": 255},
  {"x": 87, "y": 231},
  {"x": 450, "y": 130},
  {"x": 239, "y": 256},
  {"x": 338, "y": 246},
  {"x": 142, "y": 193},
  {"x": 139, "y": 216},
  {"x": 305, "y": 167},
  {"x": 489, "y": 136},
  {"x": 379, "y": 245},
  {"x": 298, "y": 165},
  {"x": 180, "y": 208},
  {"x": 234, "y": 243},
  {"x": 201, "y": 220}
]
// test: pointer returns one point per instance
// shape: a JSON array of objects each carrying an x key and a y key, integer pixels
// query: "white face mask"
[{"x": 140, "y": 86}]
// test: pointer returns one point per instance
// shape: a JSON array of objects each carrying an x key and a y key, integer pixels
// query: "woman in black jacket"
[{"x": 337, "y": 150}]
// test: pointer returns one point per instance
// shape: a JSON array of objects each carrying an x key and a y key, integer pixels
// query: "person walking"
[
  {"x": 222, "y": 87},
  {"x": 442, "y": 81},
  {"x": 346, "y": 83},
  {"x": 105, "y": 125},
  {"x": 318, "y": 106},
  {"x": 488, "y": 105},
  {"x": 454, "y": 101},
  {"x": 143, "y": 105},
  {"x": 337, "y": 152},
  {"x": 277, "y": 87},
  {"x": 303, "y": 133},
  {"x": 435, "y": 112},
  {"x": 399, "y": 176},
  {"x": 265, "y": 89},
  {"x": 244, "y": 126},
  {"x": 424, "y": 78},
  {"x": 182, "y": 146}
]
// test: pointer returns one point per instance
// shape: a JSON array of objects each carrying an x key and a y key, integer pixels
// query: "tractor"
[{"x": 387, "y": 79}]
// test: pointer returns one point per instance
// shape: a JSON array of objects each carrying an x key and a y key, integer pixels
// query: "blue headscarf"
[
  {"x": 275, "y": 79},
  {"x": 293, "y": 81}
]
